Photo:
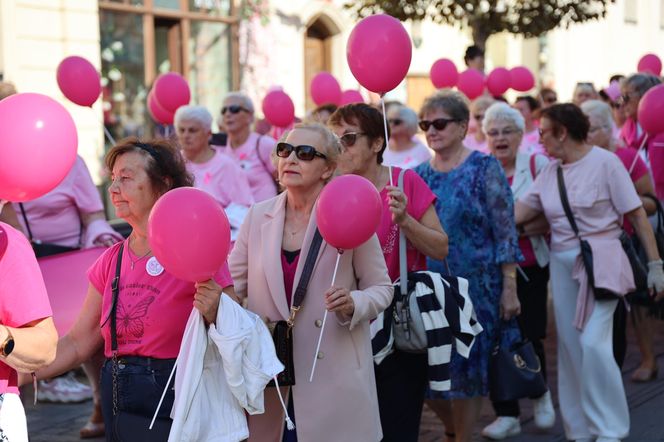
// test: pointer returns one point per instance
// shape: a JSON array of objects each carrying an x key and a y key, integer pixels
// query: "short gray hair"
[
  {"x": 503, "y": 112},
  {"x": 600, "y": 110},
  {"x": 409, "y": 118},
  {"x": 451, "y": 102},
  {"x": 244, "y": 98},
  {"x": 331, "y": 142},
  {"x": 641, "y": 82},
  {"x": 199, "y": 114}
]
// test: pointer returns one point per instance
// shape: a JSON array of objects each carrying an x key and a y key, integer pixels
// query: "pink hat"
[{"x": 612, "y": 90}]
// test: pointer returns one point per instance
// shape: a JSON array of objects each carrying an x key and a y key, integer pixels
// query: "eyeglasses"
[
  {"x": 438, "y": 123},
  {"x": 234, "y": 109},
  {"x": 505, "y": 132},
  {"x": 395, "y": 121},
  {"x": 625, "y": 98},
  {"x": 543, "y": 131},
  {"x": 303, "y": 152},
  {"x": 350, "y": 138}
]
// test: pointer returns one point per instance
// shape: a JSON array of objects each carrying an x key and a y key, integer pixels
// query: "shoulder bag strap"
[
  {"x": 403, "y": 258},
  {"x": 533, "y": 166},
  {"x": 563, "y": 199},
  {"x": 25, "y": 219},
  {"x": 115, "y": 288},
  {"x": 307, "y": 270}
]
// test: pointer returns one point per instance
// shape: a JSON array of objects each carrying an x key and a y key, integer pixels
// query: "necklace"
[{"x": 133, "y": 262}]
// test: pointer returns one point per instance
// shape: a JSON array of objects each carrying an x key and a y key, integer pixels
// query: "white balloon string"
[
  {"x": 109, "y": 137},
  {"x": 163, "y": 394},
  {"x": 322, "y": 327},
  {"x": 382, "y": 103}
]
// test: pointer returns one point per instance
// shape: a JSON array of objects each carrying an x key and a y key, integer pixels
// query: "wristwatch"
[{"x": 7, "y": 346}]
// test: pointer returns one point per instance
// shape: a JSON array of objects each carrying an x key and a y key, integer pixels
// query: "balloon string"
[
  {"x": 382, "y": 103},
  {"x": 638, "y": 152},
  {"x": 322, "y": 327},
  {"x": 109, "y": 137},
  {"x": 163, "y": 394}
]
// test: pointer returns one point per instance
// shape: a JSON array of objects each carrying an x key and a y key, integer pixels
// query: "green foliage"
[{"x": 529, "y": 18}]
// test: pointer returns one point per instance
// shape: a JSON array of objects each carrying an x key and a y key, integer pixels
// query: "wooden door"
[{"x": 315, "y": 61}]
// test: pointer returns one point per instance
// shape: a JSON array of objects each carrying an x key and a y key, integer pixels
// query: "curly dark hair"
[
  {"x": 569, "y": 116},
  {"x": 165, "y": 166},
  {"x": 367, "y": 117}
]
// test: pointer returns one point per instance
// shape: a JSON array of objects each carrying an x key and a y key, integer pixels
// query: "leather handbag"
[
  {"x": 638, "y": 270},
  {"x": 282, "y": 331},
  {"x": 515, "y": 372}
]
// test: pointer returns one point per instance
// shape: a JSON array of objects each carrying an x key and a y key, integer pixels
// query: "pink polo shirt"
[
  {"x": 54, "y": 217},
  {"x": 599, "y": 190},
  {"x": 222, "y": 178},
  {"x": 153, "y": 305},
  {"x": 255, "y": 159},
  {"x": 23, "y": 297}
]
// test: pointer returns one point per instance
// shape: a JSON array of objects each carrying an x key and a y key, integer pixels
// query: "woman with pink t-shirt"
[
  {"x": 401, "y": 379},
  {"x": 142, "y": 309},
  {"x": 404, "y": 150},
  {"x": 27, "y": 334},
  {"x": 251, "y": 151},
  {"x": 475, "y": 139},
  {"x": 600, "y": 192}
]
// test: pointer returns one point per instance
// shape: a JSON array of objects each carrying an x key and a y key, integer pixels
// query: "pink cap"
[{"x": 613, "y": 90}]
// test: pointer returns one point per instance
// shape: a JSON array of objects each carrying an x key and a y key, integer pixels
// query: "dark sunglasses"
[
  {"x": 350, "y": 138},
  {"x": 233, "y": 108},
  {"x": 303, "y": 152},
  {"x": 438, "y": 123},
  {"x": 550, "y": 100},
  {"x": 395, "y": 121}
]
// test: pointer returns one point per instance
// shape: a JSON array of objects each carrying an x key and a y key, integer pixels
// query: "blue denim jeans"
[{"x": 140, "y": 383}]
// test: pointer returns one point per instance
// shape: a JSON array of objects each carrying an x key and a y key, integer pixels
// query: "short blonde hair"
[
  {"x": 599, "y": 109},
  {"x": 331, "y": 142}
]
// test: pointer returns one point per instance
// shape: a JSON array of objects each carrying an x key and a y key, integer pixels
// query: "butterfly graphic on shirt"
[{"x": 130, "y": 320}]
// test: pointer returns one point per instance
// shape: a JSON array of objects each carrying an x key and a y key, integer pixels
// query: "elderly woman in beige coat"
[{"x": 266, "y": 263}]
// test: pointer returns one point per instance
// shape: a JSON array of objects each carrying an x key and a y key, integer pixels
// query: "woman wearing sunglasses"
[
  {"x": 267, "y": 263},
  {"x": 401, "y": 377},
  {"x": 249, "y": 149},
  {"x": 405, "y": 149},
  {"x": 475, "y": 206}
]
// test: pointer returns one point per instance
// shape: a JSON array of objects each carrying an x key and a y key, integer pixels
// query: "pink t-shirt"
[
  {"x": 420, "y": 197},
  {"x": 599, "y": 190},
  {"x": 407, "y": 159},
  {"x": 23, "y": 297},
  {"x": 54, "y": 217},
  {"x": 258, "y": 169},
  {"x": 471, "y": 143},
  {"x": 629, "y": 157},
  {"x": 222, "y": 178},
  {"x": 152, "y": 311},
  {"x": 633, "y": 136},
  {"x": 530, "y": 143},
  {"x": 289, "y": 274}
]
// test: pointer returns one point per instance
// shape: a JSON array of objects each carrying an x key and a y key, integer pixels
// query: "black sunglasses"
[
  {"x": 350, "y": 138},
  {"x": 438, "y": 123},
  {"x": 395, "y": 121},
  {"x": 303, "y": 152},
  {"x": 233, "y": 108}
]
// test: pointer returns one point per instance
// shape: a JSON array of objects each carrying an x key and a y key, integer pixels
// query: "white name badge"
[{"x": 153, "y": 267}]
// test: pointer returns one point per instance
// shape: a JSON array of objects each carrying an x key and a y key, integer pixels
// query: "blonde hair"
[
  {"x": 598, "y": 109},
  {"x": 331, "y": 142}
]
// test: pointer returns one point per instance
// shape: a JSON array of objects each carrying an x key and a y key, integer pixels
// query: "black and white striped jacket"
[{"x": 448, "y": 317}]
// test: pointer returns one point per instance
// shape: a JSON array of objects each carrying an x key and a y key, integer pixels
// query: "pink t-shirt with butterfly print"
[{"x": 152, "y": 311}]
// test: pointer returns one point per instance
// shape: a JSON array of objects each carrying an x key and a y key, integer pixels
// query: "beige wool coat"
[{"x": 340, "y": 404}]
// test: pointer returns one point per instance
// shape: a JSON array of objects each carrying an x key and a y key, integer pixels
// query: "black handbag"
[
  {"x": 282, "y": 331},
  {"x": 515, "y": 372},
  {"x": 638, "y": 270},
  {"x": 42, "y": 249}
]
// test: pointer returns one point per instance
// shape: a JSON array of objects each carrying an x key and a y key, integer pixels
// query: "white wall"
[{"x": 36, "y": 36}]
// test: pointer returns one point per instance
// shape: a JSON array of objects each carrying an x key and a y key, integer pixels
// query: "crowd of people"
[{"x": 483, "y": 193}]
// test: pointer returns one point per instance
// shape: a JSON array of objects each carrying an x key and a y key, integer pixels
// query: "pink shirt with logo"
[
  {"x": 420, "y": 197},
  {"x": 599, "y": 190},
  {"x": 23, "y": 297},
  {"x": 55, "y": 217},
  {"x": 255, "y": 159},
  {"x": 222, "y": 178},
  {"x": 152, "y": 311}
]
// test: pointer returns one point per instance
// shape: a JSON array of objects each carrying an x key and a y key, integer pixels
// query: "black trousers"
[
  {"x": 532, "y": 322},
  {"x": 401, "y": 382}
]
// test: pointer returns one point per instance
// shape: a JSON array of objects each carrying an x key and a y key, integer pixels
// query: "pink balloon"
[
  {"x": 171, "y": 91},
  {"x": 351, "y": 96},
  {"x": 651, "y": 110},
  {"x": 278, "y": 108},
  {"x": 444, "y": 73},
  {"x": 348, "y": 211},
  {"x": 379, "y": 52},
  {"x": 158, "y": 113},
  {"x": 37, "y": 147},
  {"x": 522, "y": 79},
  {"x": 471, "y": 83},
  {"x": 325, "y": 89},
  {"x": 650, "y": 63},
  {"x": 498, "y": 81},
  {"x": 78, "y": 80},
  {"x": 189, "y": 234}
]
